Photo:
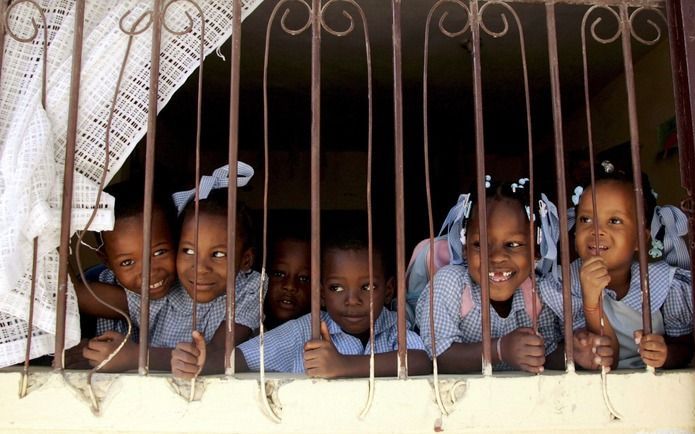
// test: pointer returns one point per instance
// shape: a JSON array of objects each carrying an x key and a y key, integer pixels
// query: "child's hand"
[
  {"x": 524, "y": 349},
  {"x": 321, "y": 359},
  {"x": 594, "y": 278},
  {"x": 188, "y": 358},
  {"x": 100, "y": 347},
  {"x": 592, "y": 351},
  {"x": 652, "y": 349}
]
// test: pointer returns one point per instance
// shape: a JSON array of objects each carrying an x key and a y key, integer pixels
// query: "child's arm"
[
  {"x": 594, "y": 279},
  {"x": 111, "y": 294},
  {"x": 521, "y": 349},
  {"x": 665, "y": 351},
  {"x": 100, "y": 347},
  {"x": 189, "y": 359},
  {"x": 321, "y": 359}
]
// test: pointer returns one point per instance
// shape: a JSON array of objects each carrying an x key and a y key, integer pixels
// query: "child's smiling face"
[
  {"x": 289, "y": 289},
  {"x": 345, "y": 289},
  {"x": 123, "y": 253},
  {"x": 212, "y": 256},
  {"x": 617, "y": 221},
  {"x": 508, "y": 248}
]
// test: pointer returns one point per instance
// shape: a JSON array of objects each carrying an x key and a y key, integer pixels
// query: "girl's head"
[
  {"x": 509, "y": 251},
  {"x": 616, "y": 212},
  {"x": 212, "y": 246},
  {"x": 122, "y": 247}
]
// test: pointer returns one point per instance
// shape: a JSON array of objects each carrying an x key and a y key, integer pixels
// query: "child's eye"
[
  {"x": 476, "y": 244},
  {"x": 615, "y": 221},
  {"x": 159, "y": 252},
  {"x": 584, "y": 219},
  {"x": 335, "y": 288},
  {"x": 275, "y": 274},
  {"x": 304, "y": 280},
  {"x": 127, "y": 262},
  {"x": 188, "y": 251},
  {"x": 219, "y": 254},
  {"x": 368, "y": 287},
  {"x": 514, "y": 244}
]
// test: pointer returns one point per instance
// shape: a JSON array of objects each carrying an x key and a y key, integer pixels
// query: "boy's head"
[
  {"x": 212, "y": 246},
  {"x": 122, "y": 246},
  {"x": 345, "y": 284},
  {"x": 616, "y": 214},
  {"x": 509, "y": 253},
  {"x": 289, "y": 287}
]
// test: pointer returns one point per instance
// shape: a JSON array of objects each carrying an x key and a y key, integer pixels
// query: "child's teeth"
[{"x": 157, "y": 285}]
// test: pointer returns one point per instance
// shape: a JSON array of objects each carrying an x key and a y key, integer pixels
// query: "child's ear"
[
  {"x": 389, "y": 290},
  {"x": 247, "y": 258}
]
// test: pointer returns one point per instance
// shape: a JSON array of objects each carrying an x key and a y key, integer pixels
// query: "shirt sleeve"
[
  {"x": 447, "y": 285},
  {"x": 246, "y": 300},
  {"x": 552, "y": 297},
  {"x": 678, "y": 307},
  {"x": 281, "y": 346}
]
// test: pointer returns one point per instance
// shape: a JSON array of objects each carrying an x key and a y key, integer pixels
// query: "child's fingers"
[
  {"x": 637, "y": 335},
  {"x": 181, "y": 369},
  {"x": 325, "y": 335},
  {"x": 186, "y": 353},
  {"x": 93, "y": 355},
  {"x": 314, "y": 344},
  {"x": 536, "y": 369},
  {"x": 652, "y": 343},
  {"x": 110, "y": 335}
]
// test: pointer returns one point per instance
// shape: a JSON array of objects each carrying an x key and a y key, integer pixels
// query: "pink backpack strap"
[
  {"x": 527, "y": 292},
  {"x": 466, "y": 301}
]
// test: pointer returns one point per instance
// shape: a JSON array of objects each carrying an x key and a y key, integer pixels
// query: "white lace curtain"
[{"x": 32, "y": 139}]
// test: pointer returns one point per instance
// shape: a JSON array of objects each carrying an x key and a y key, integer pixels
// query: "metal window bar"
[
  {"x": 681, "y": 27},
  {"x": 682, "y": 56}
]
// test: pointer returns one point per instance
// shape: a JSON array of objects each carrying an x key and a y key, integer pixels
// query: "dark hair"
[
  {"x": 216, "y": 204},
  {"x": 350, "y": 233},
  {"x": 605, "y": 171},
  {"x": 498, "y": 191},
  {"x": 130, "y": 198}
]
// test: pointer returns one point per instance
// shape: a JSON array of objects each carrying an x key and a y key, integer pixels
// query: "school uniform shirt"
[
  {"x": 451, "y": 327},
  {"x": 284, "y": 345},
  {"x": 671, "y": 304},
  {"x": 170, "y": 316}
]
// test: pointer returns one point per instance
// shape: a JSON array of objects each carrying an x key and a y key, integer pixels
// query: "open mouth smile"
[{"x": 500, "y": 276}]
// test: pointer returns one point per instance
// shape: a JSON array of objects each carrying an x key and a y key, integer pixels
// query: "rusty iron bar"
[
  {"x": 636, "y": 167},
  {"x": 399, "y": 185},
  {"x": 3, "y": 19},
  {"x": 561, "y": 184},
  {"x": 68, "y": 179},
  {"x": 4, "y": 25},
  {"x": 681, "y": 25},
  {"x": 629, "y": 3},
  {"x": 315, "y": 167},
  {"x": 232, "y": 191},
  {"x": 480, "y": 176},
  {"x": 529, "y": 139},
  {"x": 143, "y": 363}
]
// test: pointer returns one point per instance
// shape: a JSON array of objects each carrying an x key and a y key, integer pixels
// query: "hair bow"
[
  {"x": 218, "y": 179},
  {"x": 455, "y": 229},
  {"x": 549, "y": 235},
  {"x": 675, "y": 224}
]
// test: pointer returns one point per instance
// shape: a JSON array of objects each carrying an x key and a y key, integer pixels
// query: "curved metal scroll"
[{"x": 32, "y": 293}]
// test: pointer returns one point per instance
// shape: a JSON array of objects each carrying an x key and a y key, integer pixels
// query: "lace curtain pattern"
[{"x": 33, "y": 137}]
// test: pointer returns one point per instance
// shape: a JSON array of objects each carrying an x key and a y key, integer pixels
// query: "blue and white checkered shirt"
[
  {"x": 284, "y": 345},
  {"x": 451, "y": 327},
  {"x": 170, "y": 316},
  {"x": 669, "y": 292}
]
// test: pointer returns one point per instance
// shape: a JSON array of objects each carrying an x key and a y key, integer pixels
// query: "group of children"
[{"x": 526, "y": 325}]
